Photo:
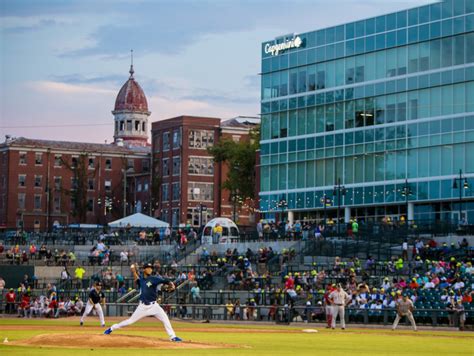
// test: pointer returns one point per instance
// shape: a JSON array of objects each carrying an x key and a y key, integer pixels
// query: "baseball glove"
[{"x": 168, "y": 288}]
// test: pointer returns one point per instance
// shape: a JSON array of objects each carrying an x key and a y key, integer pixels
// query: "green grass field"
[{"x": 250, "y": 339}]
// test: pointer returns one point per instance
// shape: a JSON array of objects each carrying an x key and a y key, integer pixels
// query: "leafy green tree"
[{"x": 241, "y": 160}]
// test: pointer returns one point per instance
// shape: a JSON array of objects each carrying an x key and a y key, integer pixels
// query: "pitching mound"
[{"x": 110, "y": 341}]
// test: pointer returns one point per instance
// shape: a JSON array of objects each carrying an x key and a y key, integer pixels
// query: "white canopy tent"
[{"x": 138, "y": 220}]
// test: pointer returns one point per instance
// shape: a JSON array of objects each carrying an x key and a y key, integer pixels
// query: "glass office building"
[{"x": 375, "y": 117}]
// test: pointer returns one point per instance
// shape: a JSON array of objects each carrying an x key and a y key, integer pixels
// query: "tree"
[
  {"x": 241, "y": 160},
  {"x": 78, "y": 192}
]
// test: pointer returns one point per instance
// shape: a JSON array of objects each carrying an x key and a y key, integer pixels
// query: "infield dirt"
[{"x": 93, "y": 341}]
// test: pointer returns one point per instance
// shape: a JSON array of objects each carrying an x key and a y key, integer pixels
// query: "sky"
[{"x": 62, "y": 62}]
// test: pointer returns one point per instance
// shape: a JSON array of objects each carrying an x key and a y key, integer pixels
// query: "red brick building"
[
  {"x": 186, "y": 181},
  {"x": 46, "y": 183}
]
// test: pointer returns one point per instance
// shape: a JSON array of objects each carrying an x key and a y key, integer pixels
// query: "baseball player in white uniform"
[
  {"x": 404, "y": 308},
  {"x": 148, "y": 305},
  {"x": 96, "y": 298},
  {"x": 339, "y": 299}
]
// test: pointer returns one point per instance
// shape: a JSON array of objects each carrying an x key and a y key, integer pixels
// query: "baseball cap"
[{"x": 147, "y": 265}]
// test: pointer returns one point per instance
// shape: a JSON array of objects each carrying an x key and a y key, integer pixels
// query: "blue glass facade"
[{"x": 385, "y": 105}]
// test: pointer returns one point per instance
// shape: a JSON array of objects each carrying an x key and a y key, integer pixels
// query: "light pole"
[
  {"x": 325, "y": 200},
  {"x": 338, "y": 191},
  {"x": 406, "y": 192},
  {"x": 465, "y": 185},
  {"x": 201, "y": 208},
  {"x": 282, "y": 204}
]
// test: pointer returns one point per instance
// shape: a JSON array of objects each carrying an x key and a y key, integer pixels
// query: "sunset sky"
[{"x": 63, "y": 62}]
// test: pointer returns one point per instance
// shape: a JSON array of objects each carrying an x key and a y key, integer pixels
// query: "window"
[
  {"x": 108, "y": 185},
  {"x": 200, "y": 191},
  {"x": 176, "y": 191},
  {"x": 38, "y": 158},
  {"x": 90, "y": 184},
  {"x": 137, "y": 125},
  {"x": 130, "y": 164},
  {"x": 177, "y": 138},
  {"x": 201, "y": 165},
  {"x": 90, "y": 205},
  {"x": 165, "y": 188},
  {"x": 166, "y": 167},
  {"x": 37, "y": 202},
  {"x": 175, "y": 217},
  {"x": 22, "y": 158},
  {"x": 38, "y": 180},
  {"x": 74, "y": 183},
  {"x": 91, "y": 163},
  {"x": 21, "y": 200},
  {"x": 201, "y": 139},
  {"x": 143, "y": 126},
  {"x": 74, "y": 161},
  {"x": 57, "y": 204},
  {"x": 122, "y": 125},
  {"x": 57, "y": 183},
  {"x": 108, "y": 164},
  {"x": 22, "y": 180},
  {"x": 58, "y": 162},
  {"x": 176, "y": 166},
  {"x": 145, "y": 187},
  {"x": 129, "y": 125},
  {"x": 146, "y": 165},
  {"x": 166, "y": 141},
  {"x": 139, "y": 187}
]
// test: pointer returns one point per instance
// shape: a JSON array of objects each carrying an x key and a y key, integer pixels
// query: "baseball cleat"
[
  {"x": 108, "y": 331},
  {"x": 176, "y": 339},
  {"x": 102, "y": 326},
  {"x": 81, "y": 323}
]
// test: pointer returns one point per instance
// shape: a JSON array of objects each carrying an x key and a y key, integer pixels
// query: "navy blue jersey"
[
  {"x": 95, "y": 296},
  {"x": 148, "y": 287}
]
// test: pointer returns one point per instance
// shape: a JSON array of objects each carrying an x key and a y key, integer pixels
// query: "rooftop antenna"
[{"x": 131, "y": 64}]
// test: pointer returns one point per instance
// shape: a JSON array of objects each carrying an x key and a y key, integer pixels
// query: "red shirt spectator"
[{"x": 10, "y": 296}]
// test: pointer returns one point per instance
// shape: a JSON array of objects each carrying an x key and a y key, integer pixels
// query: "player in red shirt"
[{"x": 327, "y": 303}]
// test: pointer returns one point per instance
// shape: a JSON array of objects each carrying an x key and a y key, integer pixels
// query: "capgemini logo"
[{"x": 280, "y": 47}]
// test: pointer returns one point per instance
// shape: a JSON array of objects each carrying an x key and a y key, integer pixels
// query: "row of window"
[
  {"x": 175, "y": 191},
  {"x": 38, "y": 183},
  {"x": 370, "y": 44},
  {"x": 197, "y": 139},
  {"x": 37, "y": 202},
  {"x": 419, "y": 57},
  {"x": 91, "y": 162},
  {"x": 130, "y": 125},
  {"x": 200, "y": 191},
  {"x": 176, "y": 169},
  {"x": 427, "y": 132},
  {"x": 394, "y": 86},
  {"x": 369, "y": 167},
  {"x": 412, "y": 105},
  {"x": 379, "y": 194},
  {"x": 384, "y": 23}
]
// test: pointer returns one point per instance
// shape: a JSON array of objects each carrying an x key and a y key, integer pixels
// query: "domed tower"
[{"x": 131, "y": 114}]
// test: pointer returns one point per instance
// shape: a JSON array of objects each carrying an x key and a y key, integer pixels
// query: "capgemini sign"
[{"x": 280, "y": 47}]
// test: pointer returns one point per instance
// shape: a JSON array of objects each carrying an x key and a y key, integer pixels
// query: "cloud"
[
  {"x": 11, "y": 29},
  {"x": 76, "y": 78},
  {"x": 65, "y": 88}
]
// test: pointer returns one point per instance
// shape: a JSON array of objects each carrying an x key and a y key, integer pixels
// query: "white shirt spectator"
[
  {"x": 101, "y": 246},
  {"x": 458, "y": 285},
  {"x": 124, "y": 256},
  {"x": 429, "y": 285}
]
